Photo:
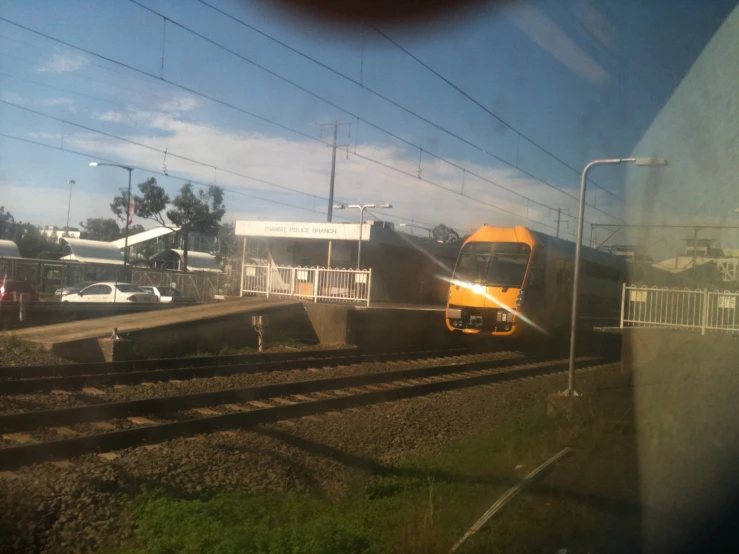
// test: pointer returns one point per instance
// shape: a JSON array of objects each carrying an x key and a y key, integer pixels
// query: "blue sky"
[{"x": 580, "y": 79}]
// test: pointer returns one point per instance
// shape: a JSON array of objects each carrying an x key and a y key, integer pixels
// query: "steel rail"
[
  {"x": 24, "y": 421},
  {"x": 17, "y": 456},
  {"x": 70, "y": 382}
]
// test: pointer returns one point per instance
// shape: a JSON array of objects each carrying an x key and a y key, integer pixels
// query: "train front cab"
[{"x": 490, "y": 282}]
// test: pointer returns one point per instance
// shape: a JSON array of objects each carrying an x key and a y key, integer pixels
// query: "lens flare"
[{"x": 480, "y": 290}]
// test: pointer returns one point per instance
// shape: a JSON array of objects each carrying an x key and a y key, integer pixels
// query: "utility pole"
[
  {"x": 69, "y": 205},
  {"x": 559, "y": 216},
  {"x": 334, "y": 145},
  {"x": 695, "y": 246}
]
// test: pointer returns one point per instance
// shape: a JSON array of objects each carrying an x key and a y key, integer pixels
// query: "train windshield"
[{"x": 500, "y": 264}]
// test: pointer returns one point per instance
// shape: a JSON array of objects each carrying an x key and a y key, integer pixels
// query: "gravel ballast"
[{"x": 80, "y": 504}]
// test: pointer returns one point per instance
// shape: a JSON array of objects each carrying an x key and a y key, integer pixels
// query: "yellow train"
[{"x": 512, "y": 282}]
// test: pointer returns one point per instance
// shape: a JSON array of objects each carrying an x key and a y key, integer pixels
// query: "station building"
[{"x": 405, "y": 268}]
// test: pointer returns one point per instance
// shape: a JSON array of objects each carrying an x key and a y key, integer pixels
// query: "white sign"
[
  {"x": 332, "y": 231},
  {"x": 638, "y": 296},
  {"x": 727, "y": 302}
]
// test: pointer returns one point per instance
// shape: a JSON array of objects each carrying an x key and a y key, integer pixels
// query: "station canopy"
[
  {"x": 93, "y": 251},
  {"x": 144, "y": 236},
  {"x": 8, "y": 249},
  {"x": 198, "y": 261}
]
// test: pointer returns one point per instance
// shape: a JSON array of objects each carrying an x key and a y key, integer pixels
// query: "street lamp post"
[
  {"x": 69, "y": 205},
  {"x": 128, "y": 219},
  {"x": 578, "y": 247},
  {"x": 361, "y": 209},
  {"x": 430, "y": 231}
]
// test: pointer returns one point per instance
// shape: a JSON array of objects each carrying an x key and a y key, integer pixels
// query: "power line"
[
  {"x": 159, "y": 150},
  {"x": 348, "y": 112},
  {"x": 216, "y": 168},
  {"x": 171, "y": 154},
  {"x": 483, "y": 202},
  {"x": 147, "y": 170},
  {"x": 487, "y": 110},
  {"x": 241, "y": 110},
  {"x": 394, "y": 103}
]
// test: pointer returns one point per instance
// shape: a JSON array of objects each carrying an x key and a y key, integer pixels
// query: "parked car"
[
  {"x": 111, "y": 292},
  {"x": 168, "y": 294},
  {"x": 74, "y": 289},
  {"x": 10, "y": 291}
]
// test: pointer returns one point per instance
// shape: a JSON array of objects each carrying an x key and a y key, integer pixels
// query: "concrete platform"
[
  {"x": 212, "y": 327},
  {"x": 171, "y": 332}
]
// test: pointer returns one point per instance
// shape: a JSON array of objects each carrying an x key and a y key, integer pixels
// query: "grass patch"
[{"x": 420, "y": 506}]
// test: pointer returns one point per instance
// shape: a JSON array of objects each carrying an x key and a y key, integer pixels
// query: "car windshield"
[
  {"x": 493, "y": 263},
  {"x": 129, "y": 288}
]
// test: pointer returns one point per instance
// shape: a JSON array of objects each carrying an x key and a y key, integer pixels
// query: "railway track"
[
  {"x": 67, "y": 432},
  {"x": 32, "y": 379}
]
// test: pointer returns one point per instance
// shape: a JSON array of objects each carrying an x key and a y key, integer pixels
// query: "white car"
[
  {"x": 166, "y": 294},
  {"x": 111, "y": 292}
]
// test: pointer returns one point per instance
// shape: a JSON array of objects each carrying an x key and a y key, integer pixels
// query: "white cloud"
[
  {"x": 182, "y": 104},
  {"x": 305, "y": 165},
  {"x": 41, "y": 205},
  {"x": 66, "y": 102},
  {"x": 12, "y": 97},
  {"x": 63, "y": 62},
  {"x": 110, "y": 117}
]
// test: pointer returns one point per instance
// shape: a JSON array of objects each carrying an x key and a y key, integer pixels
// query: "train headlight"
[{"x": 520, "y": 298}]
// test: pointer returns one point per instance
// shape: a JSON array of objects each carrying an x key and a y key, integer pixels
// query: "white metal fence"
[
  {"x": 692, "y": 309},
  {"x": 203, "y": 287},
  {"x": 309, "y": 283}
]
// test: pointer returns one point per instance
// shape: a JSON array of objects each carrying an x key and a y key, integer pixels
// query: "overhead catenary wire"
[
  {"x": 488, "y": 111},
  {"x": 186, "y": 158},
  {"x": 400, "y": 106},
  {"x": 359, "y": 118},
  {"x": 235, "y": 108},
  {"x": 155, "y": 172}
]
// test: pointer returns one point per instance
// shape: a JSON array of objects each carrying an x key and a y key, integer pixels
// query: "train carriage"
[{"x": 513, "y": 281}]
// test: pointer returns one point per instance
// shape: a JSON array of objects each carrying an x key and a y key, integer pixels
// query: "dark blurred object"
[{"x": 381, "y": 11}]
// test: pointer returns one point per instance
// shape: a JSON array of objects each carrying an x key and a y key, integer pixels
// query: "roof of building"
[
  {"x": 93, "y": 251},
  {"x": 146, "y": 235},
  {"x": 8, "y": 249},
  {"x": 199, "y": 261},
  {"x": 681, "y": 263}
]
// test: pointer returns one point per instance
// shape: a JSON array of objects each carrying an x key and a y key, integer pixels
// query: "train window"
[
  {"x": 493, "y": 263},
  {"x": 537, "y": 278},
  {"x": 598, "y": 271}
]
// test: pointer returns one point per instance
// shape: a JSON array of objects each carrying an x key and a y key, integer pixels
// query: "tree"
[
  {"x": 30, "y": 241},
  {"x": 6, "y": 223},
  {"x": 149, "y": 205},
  {"x": 134, "y": 230},
  {"x": 200, "y": 213},
  {"x": 100, "y": 228},
  {"x": 447, "y": 235},
  {"x": 228, "y": 243}
]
